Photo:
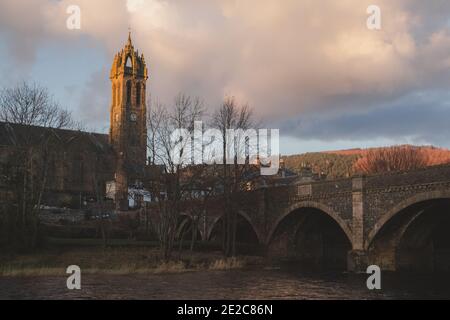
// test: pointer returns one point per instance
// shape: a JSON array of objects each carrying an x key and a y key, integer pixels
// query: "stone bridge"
[{"x": 397, "y": 221}]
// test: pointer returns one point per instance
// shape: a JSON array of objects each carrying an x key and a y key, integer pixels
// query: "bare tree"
[
  {"x": 170, "y": 188},
  {"x": 28, "y": 161},
  {"x": 203, "y": 187},
  {"x": 155, "y": 117},
  {"x": 104, "y": 221},
  {"x": 234, "y": 176},
  {"x": 31, "y": 104},
  {"x": 199, "y": 185},
  {"x": 182, "y": 183}
]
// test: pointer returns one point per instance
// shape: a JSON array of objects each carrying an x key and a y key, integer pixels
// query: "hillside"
[{"x": 341, "y": 163}]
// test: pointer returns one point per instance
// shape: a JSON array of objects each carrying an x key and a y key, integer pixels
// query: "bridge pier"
[
  {"x": 358, "y": 213},
  {"x": 357, "y": 259}
]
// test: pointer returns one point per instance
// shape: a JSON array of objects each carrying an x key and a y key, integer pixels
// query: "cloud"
[
  {"x": 294, "y": 58},
  {"x": 289, "y": 60},
  {"x": 30, "y": 25},
  {"x": 94, "y": 102},
  {"x": 419, "y": 117}
]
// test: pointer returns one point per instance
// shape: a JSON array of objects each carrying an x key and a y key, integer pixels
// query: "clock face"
[{"x": 133, "y": 117}]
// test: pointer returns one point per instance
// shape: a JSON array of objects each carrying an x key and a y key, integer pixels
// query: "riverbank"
[{"x": 118, "y": 259}]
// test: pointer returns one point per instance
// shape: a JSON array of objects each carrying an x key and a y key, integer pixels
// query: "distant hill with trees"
[{"x": 345, "y": 163}]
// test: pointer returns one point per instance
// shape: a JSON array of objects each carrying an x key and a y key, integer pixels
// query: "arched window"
[
  {"x": 128, "y": 62},
  {"x": 128, "y": 91},
  {"x": 138, "y": 95}
]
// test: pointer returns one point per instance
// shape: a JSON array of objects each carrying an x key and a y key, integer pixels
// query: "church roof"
[{"x": 12, "y": 134}]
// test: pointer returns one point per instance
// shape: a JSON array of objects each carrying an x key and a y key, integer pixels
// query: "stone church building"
[{"x": 83, "y": 165}]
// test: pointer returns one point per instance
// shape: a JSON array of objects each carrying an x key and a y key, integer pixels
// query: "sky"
[{"x": 312, "y": 69}]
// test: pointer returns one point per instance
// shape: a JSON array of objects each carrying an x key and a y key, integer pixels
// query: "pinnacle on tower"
[{"x": 129, "y": 43}]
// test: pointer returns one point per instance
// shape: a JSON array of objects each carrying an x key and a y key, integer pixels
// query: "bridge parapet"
[
  {"x": 429, "y": 175},
  {"x": 384, "y": 192}
]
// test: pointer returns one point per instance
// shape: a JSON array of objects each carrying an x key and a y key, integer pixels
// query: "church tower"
[{"x": 128, "y": 127}]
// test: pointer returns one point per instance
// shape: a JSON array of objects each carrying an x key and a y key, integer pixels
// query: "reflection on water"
[{"x": 243, "y": 284}]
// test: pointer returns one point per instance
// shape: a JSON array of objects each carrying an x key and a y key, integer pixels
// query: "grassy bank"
[{"x": 118, "y": 258}]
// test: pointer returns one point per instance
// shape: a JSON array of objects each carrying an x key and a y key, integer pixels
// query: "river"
[{"x": 236, "y": 284}]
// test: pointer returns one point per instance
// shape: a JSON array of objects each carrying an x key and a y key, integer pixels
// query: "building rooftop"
[{"x": 12, "y": 134}]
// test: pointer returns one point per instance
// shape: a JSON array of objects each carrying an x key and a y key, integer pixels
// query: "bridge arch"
[
  {"x": 413, "y": 235},
  {"x": 185, "y": 222},
  {"x": 421, "y": 197},
  {"x": 314, "y": 205},
  {"x": 311, "y": 234},
  {"x": 242, "y": 214}
]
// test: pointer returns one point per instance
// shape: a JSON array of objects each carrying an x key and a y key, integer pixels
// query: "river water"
[{"x": 237, "y": 284}]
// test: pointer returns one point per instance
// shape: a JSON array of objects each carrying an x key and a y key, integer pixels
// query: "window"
[
  {"x": 128, "y": 62},
  {"x": 138, "y": 94},
  {"x": 128, "y": 91}
]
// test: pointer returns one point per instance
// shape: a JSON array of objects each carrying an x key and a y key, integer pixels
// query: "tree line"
[{"x": 344, "y": 164}]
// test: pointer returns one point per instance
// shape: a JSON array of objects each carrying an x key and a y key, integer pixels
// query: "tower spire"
[{"x": 129, "y": 43}]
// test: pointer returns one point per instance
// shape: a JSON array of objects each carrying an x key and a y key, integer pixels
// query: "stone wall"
[{"x": 384, "y": 192}]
